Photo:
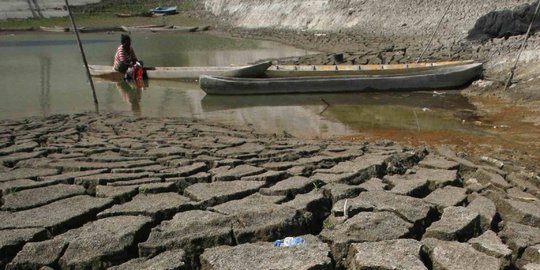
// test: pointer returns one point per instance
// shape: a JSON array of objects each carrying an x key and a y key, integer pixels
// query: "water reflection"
[
  {"x": 131, "y": 94},
  {"x": 338, "y": 114},
  {"x": 43, "y": 74},
  {"x": 44, "y": 98}
]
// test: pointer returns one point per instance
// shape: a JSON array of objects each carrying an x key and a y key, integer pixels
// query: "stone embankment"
[{"x": 93, "y": 192}]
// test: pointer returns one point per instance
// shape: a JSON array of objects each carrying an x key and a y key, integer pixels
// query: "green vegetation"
[{"x": 103, "y": 14}]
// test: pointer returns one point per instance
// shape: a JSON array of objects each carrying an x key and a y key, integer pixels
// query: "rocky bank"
[{"x": 92, "y": 191}]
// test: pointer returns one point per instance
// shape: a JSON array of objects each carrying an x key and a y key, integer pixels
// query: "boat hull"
[
  {"x": 276, "y": 71},
  {"x": 184, "y": 73},
  {"x": 441, "y": 78}
]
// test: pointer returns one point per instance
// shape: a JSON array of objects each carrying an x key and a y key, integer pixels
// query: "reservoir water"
[{"x": 43, "y": 74}]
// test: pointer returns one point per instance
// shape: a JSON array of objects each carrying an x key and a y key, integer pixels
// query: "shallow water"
[{"x": 43, "y": 74}]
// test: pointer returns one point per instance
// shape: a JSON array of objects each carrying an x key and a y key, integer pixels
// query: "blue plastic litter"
[{"x": 289, "y": 242}]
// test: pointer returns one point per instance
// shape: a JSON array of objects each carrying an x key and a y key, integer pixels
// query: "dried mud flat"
[{"x": 87, "y": 191}]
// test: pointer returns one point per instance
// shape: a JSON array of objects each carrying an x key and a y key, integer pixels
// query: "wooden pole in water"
[
  {"x": 513, "y": 69},
  {"x": 82, "y": 54}
]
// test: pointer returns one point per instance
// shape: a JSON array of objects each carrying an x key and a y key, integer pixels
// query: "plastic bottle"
[{"x": 289, "y": 242}]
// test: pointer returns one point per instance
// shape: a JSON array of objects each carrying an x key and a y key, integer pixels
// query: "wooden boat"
[
  {"x": 160, "y": 29},
  {"x": 164, "y": 10},
  {"x": 101, "y": 29},
  {"x": 54, "y": 29},
  {"x": 338, "y": 70},
  {"x": 446, "y": 77},
  {"x": 184, "y": 73}
]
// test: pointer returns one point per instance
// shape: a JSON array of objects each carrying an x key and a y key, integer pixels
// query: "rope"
[
  {"x": 436, "y": 29},
  {"x": 513, "y": 69}
]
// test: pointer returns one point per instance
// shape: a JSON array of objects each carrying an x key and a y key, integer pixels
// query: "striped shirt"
[{"x": 121, "y": 55}]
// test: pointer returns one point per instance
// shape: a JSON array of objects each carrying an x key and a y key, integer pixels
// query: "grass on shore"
[{"x": 104, "y": 14}]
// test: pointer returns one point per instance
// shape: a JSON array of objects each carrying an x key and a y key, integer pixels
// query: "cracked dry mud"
[{"x": 87, "y": 191}]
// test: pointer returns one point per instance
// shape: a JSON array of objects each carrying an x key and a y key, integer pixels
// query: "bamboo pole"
[
  {"x": 83, "y": 55},
  {"x": 513, "y": 69}
]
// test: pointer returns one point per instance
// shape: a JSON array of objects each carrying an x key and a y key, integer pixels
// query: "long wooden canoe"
[
  {"x": 449, "y": 77},
  {"x": 276, "y": 71},
  {"x": 177, "y": 29},
  {"x": 184, "y": 73}
]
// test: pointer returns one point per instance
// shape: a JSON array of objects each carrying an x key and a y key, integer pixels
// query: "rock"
[
  {"x": 91, "y": 181},
  {"x": 245, "y": 150},
  {"x": 268, "y": 177},
  {"x": 57, "y": 216},
  {"x": 518, "y": 237},
  {"x": 312, "y": 254},
  {"x": 39, "y": 254},
  {"x": 363, "y": 167},
  {"x": 171, "y": 260},
  {"x": 157, "y": 206},
  {"x": 251, "y": 203},
  {"x": 151, "y": 168},
  {"x": 68, "y": 178},
  {"x": 403, "y": 185},
  {"x": 169, "y": 151},
  {"x": 23, "y": 147},
  {"x": 151, "y": 188},
  {"x": 184, "y": 171},
  {"x": 525, "y": 182},
  {"x": 209, "y": 194},
  {"x": 446, "y": 197},
  {"x": 32, "y": 198},
  {"x": 270, "y": 223},
  {"x": 490, "y": 244},
  {"x": 26, "y": 173},
  {"x": 337, "y": 191},
  {"x": 238, "y": 172},
  {"x": 487, "y": 210},
  {"x": 413, "y": 210},
  {"x": 192, "y": 231},
  {"x": 518, "y": 194},
  {"x": 22, "y": 184},
  {"x": 11, "y": 241},
  {"x": 74, "y": 166},
  {"x": 437, "y": 162},
  {"x": 120, "y": 194},
  {"x": 532, "y": 266},
  {"x": 531, "y": 255},
  {"x": 300, "y": 171},
  {"x": 422, "y": 181},
  {"x": 527, "y": 213},
  {"x": 486, "y": 177},
  {"x": 259, "y": 217},
  {"x": 458, "y": 256},
  {"x": 136, "y": 182},
  {"x": 12, "y": 159},
  {"x": 104, "y": 242},
  {"x": 456, "y": 224},
  {"x": 292, "y": 186},
  {"x": 364, "y": 227},
  {"x": 278, "y": 166},
  {"x": 390, "y": 254},
  {"x": 373, "y": 184},
  {"x": 437, "y": 178},
  {"x": 329, "y": 178}
]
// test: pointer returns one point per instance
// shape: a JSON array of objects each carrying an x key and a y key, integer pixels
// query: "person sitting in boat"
[{"x": 125, "y": 58}]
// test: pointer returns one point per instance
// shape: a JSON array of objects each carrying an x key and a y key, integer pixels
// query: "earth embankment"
[{"x": 410, "y": 18}]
